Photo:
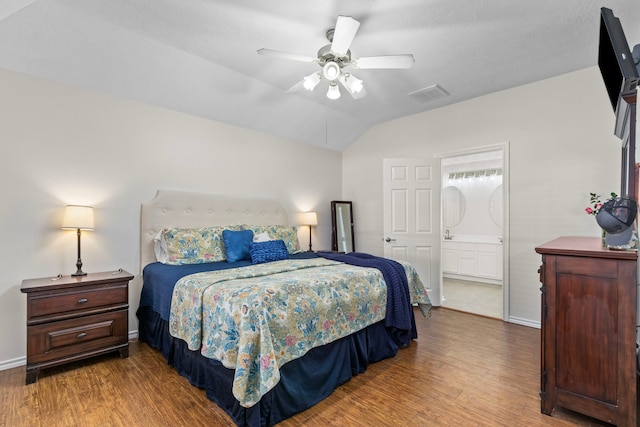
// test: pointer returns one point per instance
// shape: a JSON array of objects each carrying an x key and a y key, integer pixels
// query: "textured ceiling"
[{"x": 199, "y": 56}]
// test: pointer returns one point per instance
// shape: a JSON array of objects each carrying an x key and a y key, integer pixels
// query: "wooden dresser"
[
  {"x": 71, "y": 318},
  {"x": 588, "y": 352}
]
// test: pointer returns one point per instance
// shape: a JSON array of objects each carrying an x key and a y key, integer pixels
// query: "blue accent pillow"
[
  {"x": 271, "y": 250},
  {"x": 236, "y": 244}
]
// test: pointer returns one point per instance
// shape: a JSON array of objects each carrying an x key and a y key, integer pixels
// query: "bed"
[{"x": 272, "y": 334}]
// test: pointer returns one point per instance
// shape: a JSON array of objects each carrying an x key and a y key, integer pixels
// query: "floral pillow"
[
  {"x": 177, "y": 246},
  {"x": 287, "y": 233}
]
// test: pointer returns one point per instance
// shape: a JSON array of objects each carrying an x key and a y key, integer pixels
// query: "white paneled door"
[{"x": 412, "y": 217}]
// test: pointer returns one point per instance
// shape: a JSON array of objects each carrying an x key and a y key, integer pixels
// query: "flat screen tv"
[{"x": 617, "y": 66}]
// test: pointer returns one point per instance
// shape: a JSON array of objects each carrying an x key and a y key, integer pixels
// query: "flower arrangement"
[{"x": 596, "y": 204}]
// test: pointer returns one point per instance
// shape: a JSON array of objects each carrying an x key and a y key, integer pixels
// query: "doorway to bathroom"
[{"x": 473, "y": 230}]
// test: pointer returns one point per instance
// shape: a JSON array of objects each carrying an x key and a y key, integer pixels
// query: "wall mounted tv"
[{"x": 617, "y": 66}]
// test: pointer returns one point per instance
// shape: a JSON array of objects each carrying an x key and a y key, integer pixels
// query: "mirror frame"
[
  {"x": 462, "y": 204},
  {"x": 334, "y": 225},
  {"x": 496, "y": 214}
]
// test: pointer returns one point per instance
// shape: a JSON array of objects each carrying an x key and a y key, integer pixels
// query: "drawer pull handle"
[
  {"x": 82, "y": 301},
  {"x": 81, "y": 335}
]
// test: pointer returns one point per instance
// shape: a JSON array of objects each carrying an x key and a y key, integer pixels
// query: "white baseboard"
[
  {"x": 486, "y": 280},
  {"x": 21, "y": 361},
  {"x": 13, "y": 363},
  {"x": 524, "y": 322}
]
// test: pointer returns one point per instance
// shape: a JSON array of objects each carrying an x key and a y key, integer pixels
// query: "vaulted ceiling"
[{"x": 200, "y": 56}]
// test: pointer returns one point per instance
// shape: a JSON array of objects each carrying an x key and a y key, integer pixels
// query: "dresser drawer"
[
  {"x": 41, "y": 306},
  {"x": 76, "y": 337}
]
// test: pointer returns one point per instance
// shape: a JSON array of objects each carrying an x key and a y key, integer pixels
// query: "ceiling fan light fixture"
[
  {"x": 353, "y": 84},
  {"x": 334, "y": 91},
  {"x": 336, "y": 61},
  {"x": 311, "y": 81},
  {"x": 331, "y": 70}
]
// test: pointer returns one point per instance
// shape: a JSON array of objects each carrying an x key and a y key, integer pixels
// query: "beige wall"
[
  {"x": 561, "y": 143},
  {"x": 62, "y": 145}
]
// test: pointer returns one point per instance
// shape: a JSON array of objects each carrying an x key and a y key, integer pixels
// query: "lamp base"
[{"x": 79, "y": 271}]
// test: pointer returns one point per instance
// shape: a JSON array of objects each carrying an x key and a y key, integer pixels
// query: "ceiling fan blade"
[
  {"x": 345, "y": 31},
  {"x": 391, "y": 61},
  {"x": 286, "y": 55}
]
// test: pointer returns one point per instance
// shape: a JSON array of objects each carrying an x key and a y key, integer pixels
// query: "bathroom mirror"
[
  {"x": 342, "y": 238},
  {"x": 495, "y": 205},
  {"x": 453, "y": 206}
]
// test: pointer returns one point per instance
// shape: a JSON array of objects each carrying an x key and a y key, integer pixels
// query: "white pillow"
[
  {"x": 160, "y": 247},
  {"x": 262, "y": 237}
]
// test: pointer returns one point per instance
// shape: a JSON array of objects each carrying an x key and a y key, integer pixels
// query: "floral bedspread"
[{"x": 255, "y": 319}]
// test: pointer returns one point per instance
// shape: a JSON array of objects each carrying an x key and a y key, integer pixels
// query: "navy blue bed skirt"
[{"x": 303, "y": 382}]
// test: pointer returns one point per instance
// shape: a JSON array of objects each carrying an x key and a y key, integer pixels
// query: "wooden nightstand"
[{"x": 72, "y": 318}]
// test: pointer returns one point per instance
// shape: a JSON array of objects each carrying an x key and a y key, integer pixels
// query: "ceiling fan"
[{"x": 335, "y": 59}]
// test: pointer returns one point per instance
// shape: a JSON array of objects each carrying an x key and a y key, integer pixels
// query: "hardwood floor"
[{"x": 463, "y": 370}]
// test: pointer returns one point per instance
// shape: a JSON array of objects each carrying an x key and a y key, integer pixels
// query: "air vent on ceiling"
[{"x": 428, "y": 94}]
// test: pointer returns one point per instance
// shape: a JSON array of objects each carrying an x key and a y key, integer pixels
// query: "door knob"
[{"x": 389, "y": 239}]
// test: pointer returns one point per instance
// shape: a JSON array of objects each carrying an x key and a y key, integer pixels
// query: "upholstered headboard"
[{"x": 190, "y": 210}]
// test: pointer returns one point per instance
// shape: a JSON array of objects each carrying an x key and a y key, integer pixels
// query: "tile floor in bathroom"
[{"x": 473, "y": 297}]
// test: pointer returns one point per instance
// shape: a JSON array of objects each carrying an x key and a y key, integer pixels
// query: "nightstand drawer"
[
  {"x": 76, "y": 337},
  {"x": 65, "y": 303}
]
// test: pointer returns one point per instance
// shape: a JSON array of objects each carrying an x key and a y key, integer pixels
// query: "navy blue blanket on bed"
[{"x": 399, "y": 310}]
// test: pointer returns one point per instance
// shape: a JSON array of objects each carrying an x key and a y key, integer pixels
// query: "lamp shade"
[
  {"x": 333, "y": 92},
  {"x": 310, "y": 218},
  {"x": 353, "y": 84},
  {"x": 78, "y": 217},
  {"x": 311, "y": 81}
]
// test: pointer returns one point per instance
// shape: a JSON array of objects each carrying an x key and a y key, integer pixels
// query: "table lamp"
[
  {"x": 78, "y": 218},
  {"x": 310, "y": 219}
]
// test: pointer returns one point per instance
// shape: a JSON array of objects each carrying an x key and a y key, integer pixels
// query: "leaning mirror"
[
  {"x": 342, "y": 238},
  {"x": 453, "y": 206}
]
